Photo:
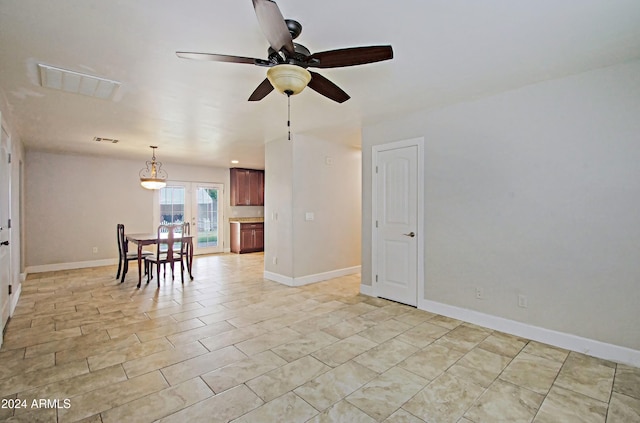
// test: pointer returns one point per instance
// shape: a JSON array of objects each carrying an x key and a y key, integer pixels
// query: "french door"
[{"x": 200, "y": 204}]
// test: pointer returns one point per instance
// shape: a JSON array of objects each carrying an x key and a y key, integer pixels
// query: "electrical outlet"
[
  {"x": 275, "y": 260},
  {"x": 522, "y": 301},
  {"x": 479, "y": 293},
  {"x": 95, "y": 250}
]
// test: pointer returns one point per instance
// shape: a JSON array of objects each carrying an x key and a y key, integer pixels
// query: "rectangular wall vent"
[{"x": 76, "y": 82}]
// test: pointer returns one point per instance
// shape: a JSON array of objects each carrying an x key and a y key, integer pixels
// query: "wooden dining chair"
[
  {"x": 125, "y": 256},
  {"x": 184, "y": 229},
  {"x": 179, "y": 247},
  {"x": 166, "y": 253}
]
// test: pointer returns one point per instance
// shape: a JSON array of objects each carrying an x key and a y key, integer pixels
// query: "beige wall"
[
  {"x": 278, "y": 208},
  {"x": 327, "y": 183},
  {"x": 73, "y": 204},
  {"x": 311, "y": 175},
  {"x": 536, "y": 192}
]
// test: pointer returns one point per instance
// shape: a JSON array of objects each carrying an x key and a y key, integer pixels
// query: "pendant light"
[{"x": 153, "y": 176}]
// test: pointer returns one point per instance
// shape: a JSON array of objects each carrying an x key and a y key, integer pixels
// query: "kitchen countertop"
[{"x": 247, "y": 219}]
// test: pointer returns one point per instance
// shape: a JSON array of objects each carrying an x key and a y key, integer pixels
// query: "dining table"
[{"x": 151, "y": 239}]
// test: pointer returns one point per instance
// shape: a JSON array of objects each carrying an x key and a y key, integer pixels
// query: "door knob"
[
  {"x": 4, "y": 243},
  {"x": 410, "y": 234}
]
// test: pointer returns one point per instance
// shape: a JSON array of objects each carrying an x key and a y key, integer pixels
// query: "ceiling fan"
[{"x": 288, "y": 61}]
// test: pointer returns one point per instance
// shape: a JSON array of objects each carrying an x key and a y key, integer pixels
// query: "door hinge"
[
  {"x": 376, "y": 278},
  {"x": 9, "y": 158},
  {"x": 9, "y": 223},
  {"x": 9, "y": 289},
  {"x": 376, "y": 169},
  {"x": 376, "y": 223}
]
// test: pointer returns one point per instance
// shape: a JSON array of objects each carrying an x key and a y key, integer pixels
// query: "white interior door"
[
  {"x": 5, "y": 256},
  {"x": 200, "y": 204},
  {"x": 397, "y": 231}
]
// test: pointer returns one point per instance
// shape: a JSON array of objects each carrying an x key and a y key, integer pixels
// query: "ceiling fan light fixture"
[
  {"x": 288, "y": 79},
  {"x": 153, "y": 176}
]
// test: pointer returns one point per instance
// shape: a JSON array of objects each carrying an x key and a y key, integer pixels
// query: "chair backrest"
[
  {"x": 122, "y": 242},
  {"x": 165, "y": 241},
  {"x": 186, "y": 230}
]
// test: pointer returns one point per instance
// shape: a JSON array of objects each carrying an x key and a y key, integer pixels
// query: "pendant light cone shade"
[
  {"x": 153, "y": 176},
  {"x": 288, "y": 79}
]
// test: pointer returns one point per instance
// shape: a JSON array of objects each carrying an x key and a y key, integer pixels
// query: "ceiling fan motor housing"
[
  {"x": 299, "y": 57},
  {"x": 294, "y": 27}
]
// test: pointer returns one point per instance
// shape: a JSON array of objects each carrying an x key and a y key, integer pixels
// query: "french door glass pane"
[
  {"x": 207, "y": 214},
  {"x": 172, "y": 204}
]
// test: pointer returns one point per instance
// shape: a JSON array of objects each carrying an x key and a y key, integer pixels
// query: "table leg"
[{"x": 139, "y": 264}]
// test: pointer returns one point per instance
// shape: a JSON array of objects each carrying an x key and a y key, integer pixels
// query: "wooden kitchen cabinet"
[
  {"x": 247, "y": 237},
  {"x": 247, "y": 187}
]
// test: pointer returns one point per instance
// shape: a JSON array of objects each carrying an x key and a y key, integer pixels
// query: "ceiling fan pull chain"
[{"x": 289, "y": 115}]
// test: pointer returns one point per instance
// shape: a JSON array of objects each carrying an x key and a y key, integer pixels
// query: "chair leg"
[
  {"x": 125, "y": 269},
  {"x": 159, "y": 274},
  {"x": 119, "y": 268}
]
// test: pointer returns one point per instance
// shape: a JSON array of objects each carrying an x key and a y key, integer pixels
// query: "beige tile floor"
[{"x": 231, "y": 346}]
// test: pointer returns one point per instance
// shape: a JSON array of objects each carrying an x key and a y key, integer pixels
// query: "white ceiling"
[{"x": 446, "y": 51}]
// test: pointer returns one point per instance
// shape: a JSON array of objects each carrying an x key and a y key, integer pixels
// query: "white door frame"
[
  {"x": 6, "y": 271},
  {"x": 420, "y": 230},
  {"x": 194, "y": 211}
]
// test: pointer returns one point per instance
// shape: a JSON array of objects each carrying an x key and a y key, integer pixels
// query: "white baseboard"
[
  {"x": 306, "y": 280},
  {"x": 67, "y": 266},
  {"x": 276, "y": 277},
  {"x": 13, "y": 302},
  {"x": 366, "y": 290},
  {"x": 15, "y": 296},
  {"x": 14, "y": 299},
  {"x": 567, "y": 341}
]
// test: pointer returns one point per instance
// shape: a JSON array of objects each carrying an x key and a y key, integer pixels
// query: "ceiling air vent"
[
  {"x": 102, "y": 139},
  {"x": 76, "y": 82}
]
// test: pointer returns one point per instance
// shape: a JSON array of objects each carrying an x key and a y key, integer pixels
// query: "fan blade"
[
  {"x": 222, "y": 58},
  {"x": 261, "y": 92},
  {"x": 350, "y": 56},
  {"x": 323, "y": 86},
  {"x": 273, "y": 25}
]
